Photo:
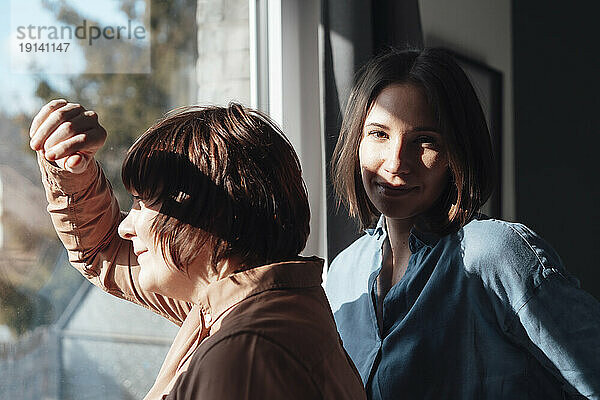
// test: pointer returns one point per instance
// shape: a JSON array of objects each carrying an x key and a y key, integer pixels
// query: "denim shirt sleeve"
[{"x": 541, "y": 307}]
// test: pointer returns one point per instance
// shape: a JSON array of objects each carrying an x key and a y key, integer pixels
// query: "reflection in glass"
[{"x": 61, "y": 337}]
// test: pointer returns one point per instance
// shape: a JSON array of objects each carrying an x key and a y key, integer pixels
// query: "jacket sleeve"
[{"x": 86, "y": 216}]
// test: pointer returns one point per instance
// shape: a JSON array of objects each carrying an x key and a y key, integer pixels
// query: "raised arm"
[{"x": 83, "y": 208}]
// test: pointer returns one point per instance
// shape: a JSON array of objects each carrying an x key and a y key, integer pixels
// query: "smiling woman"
[
  {"x": 211, "y": 243},
  {"x": 156, "y": 275},
  {"x": 437, "y": 300},
  {"x": 403, "y": 160}
]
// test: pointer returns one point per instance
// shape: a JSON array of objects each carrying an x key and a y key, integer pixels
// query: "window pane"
[{"x": 60, "y": 337}]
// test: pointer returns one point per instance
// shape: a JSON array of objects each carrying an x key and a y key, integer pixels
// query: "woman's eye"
[
  {"x": 378, "y": 134},
  {"x": 424, "y": 139}
]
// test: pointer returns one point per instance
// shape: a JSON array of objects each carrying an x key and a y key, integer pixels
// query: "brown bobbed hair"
[
  {"x": 226, "y": 178},
  {"x": 459, "y": 118}
]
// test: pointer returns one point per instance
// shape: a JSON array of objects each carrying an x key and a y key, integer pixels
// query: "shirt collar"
[
  {"x": 416, "y": 240},
  {"x": 379, "y": 231},
  {"x": 226, "y": 293}
]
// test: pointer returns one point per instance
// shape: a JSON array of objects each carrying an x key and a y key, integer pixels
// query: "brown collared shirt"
[{"x": 264, "y": 333}]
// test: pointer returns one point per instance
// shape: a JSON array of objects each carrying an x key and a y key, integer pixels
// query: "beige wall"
[{"x": 480, "y": 30}]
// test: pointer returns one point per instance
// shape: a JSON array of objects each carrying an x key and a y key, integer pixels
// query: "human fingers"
[
  {"x": 53, "y": 121},
  {"x": 76, "y": 163},
  {"x": 43, "y": 114},
  {"x": 87, "y": 143},
  {"x": 82, "y": 123}
]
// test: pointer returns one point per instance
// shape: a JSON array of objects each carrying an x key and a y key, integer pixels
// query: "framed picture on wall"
[{"x": 488, "y": 85}]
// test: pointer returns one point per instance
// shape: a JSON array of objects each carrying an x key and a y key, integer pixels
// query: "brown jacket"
[{"x": 265, "y": 333}]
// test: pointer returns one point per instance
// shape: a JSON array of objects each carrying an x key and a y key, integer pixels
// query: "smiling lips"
[
  {"x": 138, "y": 253},
  {"x": 395, "y": 190}
]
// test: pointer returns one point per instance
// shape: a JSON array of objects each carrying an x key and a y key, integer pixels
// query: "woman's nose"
[
  {"x": 126, "y": 230},
  {"x": 397, "y": 158}
]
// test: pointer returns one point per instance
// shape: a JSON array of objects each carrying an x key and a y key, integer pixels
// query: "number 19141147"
[{"x": 43, "y": 47}]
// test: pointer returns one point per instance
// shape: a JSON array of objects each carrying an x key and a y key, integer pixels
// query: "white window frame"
[{"x": 286, "y": 82}]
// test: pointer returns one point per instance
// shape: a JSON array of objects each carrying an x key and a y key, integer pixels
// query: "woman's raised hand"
[{"x": 67, "y": 134}]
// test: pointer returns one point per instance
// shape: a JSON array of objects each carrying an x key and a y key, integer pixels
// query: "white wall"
[{"x": 480, "y": 30}]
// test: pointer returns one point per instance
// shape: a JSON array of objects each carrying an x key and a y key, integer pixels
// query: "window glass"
[{"x": 61, "y": 337}]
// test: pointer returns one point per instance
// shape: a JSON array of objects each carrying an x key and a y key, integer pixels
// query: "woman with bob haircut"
[
  {"x": 437, "y": 301},
  {"x": 220, "y": 214}
]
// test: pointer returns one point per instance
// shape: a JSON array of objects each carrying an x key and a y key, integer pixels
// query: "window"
[
  {"x": 286, "y": 83},
  {"x": 60, "y": 337}
]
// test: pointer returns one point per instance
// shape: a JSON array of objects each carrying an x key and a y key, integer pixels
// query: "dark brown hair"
[
  {"x": 226, "y": 178},
  {"x": 459, "y": 117}
]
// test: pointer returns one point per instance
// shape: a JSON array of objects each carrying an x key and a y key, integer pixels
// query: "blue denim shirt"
[{"x": 486, "y": 313}]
